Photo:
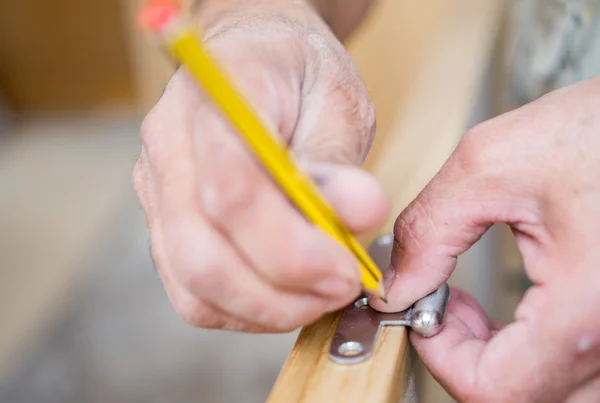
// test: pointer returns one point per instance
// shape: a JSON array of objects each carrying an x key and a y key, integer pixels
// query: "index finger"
[
  {"x": 452, "y": 213},
  {"x": 444, "y": 221}
]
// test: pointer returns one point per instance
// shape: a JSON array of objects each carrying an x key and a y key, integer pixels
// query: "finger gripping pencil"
[{"x": 163, "y": 18}]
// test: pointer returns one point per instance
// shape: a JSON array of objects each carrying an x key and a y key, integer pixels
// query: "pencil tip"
[{"x": 381, "y": 293}]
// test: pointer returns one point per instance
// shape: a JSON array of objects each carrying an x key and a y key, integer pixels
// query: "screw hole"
[
  {"x": 362, "y": 303},
  {"x": 350, "y": 349}
]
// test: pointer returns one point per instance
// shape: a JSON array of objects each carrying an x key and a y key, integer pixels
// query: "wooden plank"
[
  {"x": 448, "y": 47},
  {"x": 301, "y": 380}
]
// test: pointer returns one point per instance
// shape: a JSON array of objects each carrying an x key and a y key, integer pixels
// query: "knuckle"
[
  {"x": 194, "y": 311},
  {"x": 138, "y": 175},
  {"x": 230, "y": 191},
  {"x": 197, "y": 314},
  {"x": 198, "y": 277},
  {"x": 359, "y": 113},
  {"x": 365, "y": 116},
  {"x": 139, "y": 178},
  {"x": 368, "y": 115},
  {"x": 412, "y": 225},
  {"x": 158, "y": 129},
  {"x": 356, "y": 103},
  {"x": 471, "y": 155},
  {"x": 150, "y": 132},
  {"x": 300, "y": 261},
  {"x": 288, "y": 322},
  {"x": 142, "y": 186},
  {"x": 359, "y": 109},
  {"x": 194, "y": 270},
  {"x": 296, "y": 268},
  {"x": 349, "y": 101}
]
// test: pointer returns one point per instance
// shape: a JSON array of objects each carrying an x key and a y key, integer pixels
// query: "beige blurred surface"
[
  {"x": 63, "y": 54},
  {"x": 60, "y": 180},
  {"x": 84, "y": 316}
]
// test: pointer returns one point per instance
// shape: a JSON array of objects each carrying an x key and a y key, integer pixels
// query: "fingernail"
[
  {"x": 334, "y": 286},
  {"x": 319, "y": 179},
  {"x": 388, "y": 278},
  {"x": 318, "y": 172}
]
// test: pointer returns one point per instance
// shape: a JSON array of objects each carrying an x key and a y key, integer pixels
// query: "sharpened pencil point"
[{"x": 380, "y": 293}]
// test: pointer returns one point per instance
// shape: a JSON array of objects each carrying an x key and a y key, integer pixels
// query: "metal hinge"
[{"x": 356, "y": 335}]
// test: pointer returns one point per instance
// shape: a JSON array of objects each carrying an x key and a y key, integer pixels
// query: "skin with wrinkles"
[
  {"x": 535, "y": 169},
  {"x": 234, "y": 254},
  {"x": 229, "y": 248}
]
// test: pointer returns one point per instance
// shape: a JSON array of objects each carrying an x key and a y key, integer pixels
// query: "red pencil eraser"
[{"x": 156, "y": 14}]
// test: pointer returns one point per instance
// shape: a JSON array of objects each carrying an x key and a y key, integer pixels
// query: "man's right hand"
[{"x": 232, "y": 252}]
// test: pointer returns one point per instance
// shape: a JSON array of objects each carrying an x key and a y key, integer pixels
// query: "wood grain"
[
  {"x": 437, "y": 53},
  {"x": 361, "y": 382}
]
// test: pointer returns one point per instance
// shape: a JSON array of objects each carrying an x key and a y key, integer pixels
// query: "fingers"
[
  {"x": 337, "y": 124},
  {"x": 451, "y": 213},
  {"x": 455, "y": 345},
  {"x": 232, "y": 251},
  {"x": 281, "y": 245},
  {"x": 440, "y": 224},
  {"x": 212, "y": 287},
  {"x": 355, "y": 195},
  {"x": 458, "y": 356},
  {"x": 525, "y": 361},
  {"x": 241, "y": 200},
  {"x": 468, "y": 310}
]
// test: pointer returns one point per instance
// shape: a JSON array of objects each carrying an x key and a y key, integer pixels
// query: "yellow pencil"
[{"x": 163, "y": 17}]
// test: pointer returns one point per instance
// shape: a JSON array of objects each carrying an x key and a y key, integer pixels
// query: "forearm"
[{"x": 342, "y": 16}]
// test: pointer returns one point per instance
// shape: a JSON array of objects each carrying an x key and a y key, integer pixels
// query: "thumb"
[
  {"x": 331, "y": 139},
  {"x": 358, "y": 199},
  {"x": 452, "y": 213}
]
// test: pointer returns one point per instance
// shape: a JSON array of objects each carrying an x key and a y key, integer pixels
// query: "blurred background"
[
  {"x": 83, "y": 315},
  {"x": 82, "y": 312}
]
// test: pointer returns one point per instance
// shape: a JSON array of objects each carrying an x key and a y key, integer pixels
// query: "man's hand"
[
  {"x": 232, "y": 252},
  {"x": 537, "y": 169}
]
